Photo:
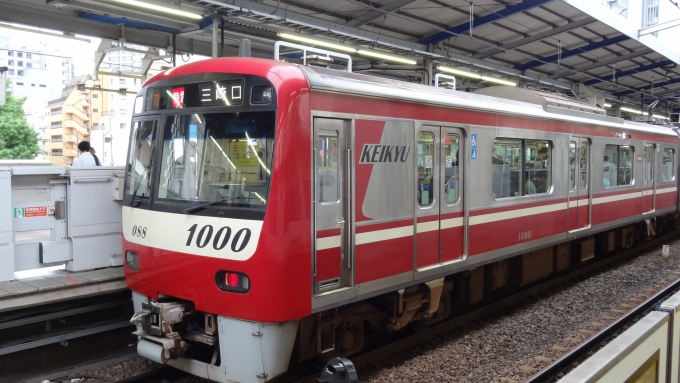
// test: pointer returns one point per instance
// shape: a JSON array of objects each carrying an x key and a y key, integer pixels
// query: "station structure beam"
[
  {"x": 572, "y": 52},
  {"x": 372, "y": 15},
  {"x": 490, "y": 18},
  {"x": 624, "y": 73},
  {"x": 651, "y": 86},
  {"x": 539, "y": 36},
  {"x": 601, "y": 63}
]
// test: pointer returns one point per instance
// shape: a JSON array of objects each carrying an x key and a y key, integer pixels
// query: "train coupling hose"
[{"x": 339, "y": 370}]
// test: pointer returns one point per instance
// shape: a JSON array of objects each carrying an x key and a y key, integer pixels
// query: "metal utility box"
[{"x": 58, "y": 215}]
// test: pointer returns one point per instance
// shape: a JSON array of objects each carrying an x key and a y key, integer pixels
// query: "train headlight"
[
  {"x": 132, "y": 260},
  {"x": 261, "y": 94},
  {"x": 232, "y": 281}
]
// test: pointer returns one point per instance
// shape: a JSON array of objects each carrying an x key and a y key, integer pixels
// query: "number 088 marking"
[{"x": 221, "y": 239}]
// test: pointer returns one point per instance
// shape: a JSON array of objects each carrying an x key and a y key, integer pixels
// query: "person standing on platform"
[
  {"x": 85, "y": 158},
  {"x": 96, "y": 159}
]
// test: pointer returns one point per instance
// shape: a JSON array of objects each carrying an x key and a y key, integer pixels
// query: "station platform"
[{"x": 58, "y": 285}]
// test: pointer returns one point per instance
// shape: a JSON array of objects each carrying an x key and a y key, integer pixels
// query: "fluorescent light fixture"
[
  {"x": 660, "y": 117},
  {"x": 475, "y": 76},
  {"x": 317, "y": 42},
  {"x": 387, "y": 57},
  {"x": 160, "y": 8},
  {"x": 629, "y": 110},
  {"x": 607, "y": 105},
  {"x": 458, "y": 72},
  {"x": 499, "y": 81}
]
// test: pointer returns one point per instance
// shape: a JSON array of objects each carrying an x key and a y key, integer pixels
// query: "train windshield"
[{"x": 225, "y": 158}]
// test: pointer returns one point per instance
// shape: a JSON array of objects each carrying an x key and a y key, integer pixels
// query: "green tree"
[{"x": 17, "y": 139}]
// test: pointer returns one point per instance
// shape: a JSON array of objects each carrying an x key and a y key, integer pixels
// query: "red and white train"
[{"x": 276, "y": 213}]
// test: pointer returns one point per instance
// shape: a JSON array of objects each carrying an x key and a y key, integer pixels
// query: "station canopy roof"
[{"x": 544, "y": 44}]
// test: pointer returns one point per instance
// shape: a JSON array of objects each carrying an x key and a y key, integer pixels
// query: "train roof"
[
  {"x": 332, "y": 80},
  {"x": 355, "y": 83}
]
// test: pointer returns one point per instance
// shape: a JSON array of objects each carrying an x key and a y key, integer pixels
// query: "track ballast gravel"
[{"x": 512, "y": 345}]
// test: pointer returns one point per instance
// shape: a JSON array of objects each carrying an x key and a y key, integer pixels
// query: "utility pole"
[{"x": 3, "y": 79}]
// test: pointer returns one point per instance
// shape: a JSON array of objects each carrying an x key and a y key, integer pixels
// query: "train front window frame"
[
  {"x": 521, "y": 167},
  {"x": 222, "y": 158},
  {"x": 141, "y": 158}
]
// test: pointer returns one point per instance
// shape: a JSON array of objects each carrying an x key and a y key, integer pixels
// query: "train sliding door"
[
  {"x": 439, "y": 206},
  {"x": 648, "y": 191},
  {"x": 579, "y": 183},
  {"x": 332, "y": 250}
]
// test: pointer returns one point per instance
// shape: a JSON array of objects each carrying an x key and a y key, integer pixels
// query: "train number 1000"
[{"x": 221, "y": 239}]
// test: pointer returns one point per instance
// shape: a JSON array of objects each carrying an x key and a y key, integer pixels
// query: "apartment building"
[{"x": 69, "y": 119}]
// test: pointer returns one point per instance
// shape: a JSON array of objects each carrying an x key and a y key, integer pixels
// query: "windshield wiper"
[
  {"x": 192, "y": 209},
  {"x": 201, "y": 206},
  {"x": 134, "y": 195}
]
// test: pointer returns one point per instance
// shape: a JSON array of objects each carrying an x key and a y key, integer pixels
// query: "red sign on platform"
[{"x": 37, "y": 211}]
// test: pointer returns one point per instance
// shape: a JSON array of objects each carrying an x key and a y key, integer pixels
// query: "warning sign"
[
  {"x": 38, "y": 211},
  {"x": 27, "y": 212}
]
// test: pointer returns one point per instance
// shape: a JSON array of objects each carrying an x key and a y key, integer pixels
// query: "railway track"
[
  {"x": 408, "y": 341},
  {"x": 571, "y": 359},
  {"x": 57, "y": 334}
]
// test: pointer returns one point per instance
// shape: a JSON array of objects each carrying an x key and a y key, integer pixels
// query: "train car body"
[{"x": 275, "y": 210}]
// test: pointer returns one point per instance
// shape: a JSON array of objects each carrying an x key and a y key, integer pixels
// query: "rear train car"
[{"x": 277, "y": 213}]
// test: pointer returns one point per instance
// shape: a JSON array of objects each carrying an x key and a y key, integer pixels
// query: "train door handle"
[{"x": 341, "y": 221}]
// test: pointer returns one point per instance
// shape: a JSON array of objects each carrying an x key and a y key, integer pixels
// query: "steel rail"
[
  {"x": 61, "y": 314},
  {"x": 58, "y": 338}
]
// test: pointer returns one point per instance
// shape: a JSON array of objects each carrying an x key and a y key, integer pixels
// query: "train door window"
[
  {"x": 506, "y": 160},
  {"x": 667, "y": 168},
  {"x": 537, "y": 165},
  {"x": 426, "y": 166},
  {"x": 618, "y": 165},
  {"x": 572, "y": 165},
  {"x": 327, "y": 150},
  {"x": 140, "y": 162},
  {"x": 583, "y": 166},
  {"x": 451, "y": 169},
  {"x": 648, "y": 168}
]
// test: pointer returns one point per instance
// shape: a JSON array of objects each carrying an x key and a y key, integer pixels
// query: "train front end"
[{"x": 216, "y": 217}]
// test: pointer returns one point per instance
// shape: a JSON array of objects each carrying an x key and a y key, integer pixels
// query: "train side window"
[
  {"x": 618, "y": 165},
  {"x": 328, "y": 166},
  {"x": 515, "y": 174},
  {"x": 668, "y": 169},
  {"x": 572, "y": 165},
  {"x": 426, "y": 166},
  {"x": 507, "y": 161},
  {"x": 537, "y": 165},
  {"x": 451, "y": 169}
]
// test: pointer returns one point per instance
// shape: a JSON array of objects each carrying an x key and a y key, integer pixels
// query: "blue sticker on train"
[{"x": 473, "y": 147}]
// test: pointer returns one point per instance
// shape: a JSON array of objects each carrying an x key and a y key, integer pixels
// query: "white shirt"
[{"x": 85, "y": 159}]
